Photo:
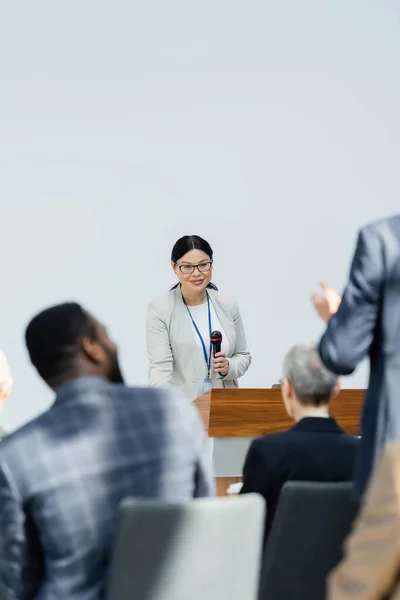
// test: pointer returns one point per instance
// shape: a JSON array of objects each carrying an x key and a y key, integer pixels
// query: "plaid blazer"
[{"x": 64, "y": 474}]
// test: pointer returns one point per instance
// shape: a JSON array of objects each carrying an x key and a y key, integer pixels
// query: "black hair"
[
  {"x": 53, "y": 339},
  {"x": 187, "y": 243}
]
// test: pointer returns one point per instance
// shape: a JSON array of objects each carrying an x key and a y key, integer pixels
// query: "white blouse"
[{"x": 200, "y": 317}]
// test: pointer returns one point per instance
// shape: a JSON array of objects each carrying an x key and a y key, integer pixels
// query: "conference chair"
[
  {"x": 203, "y": 549},
  {"x": 305, "y": 540}
]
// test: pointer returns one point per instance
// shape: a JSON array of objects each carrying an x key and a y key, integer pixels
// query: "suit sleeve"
[
  {"x": 204, "y": 475},
  {"x": 349, "y": 333},
  {"x": 185, "y": 467},
  {"x": 254, "y": 472},
  {"x": 21, "y": 564},
  {"x": 158, "y": 349},
  {"x": 240, "y": 360}
]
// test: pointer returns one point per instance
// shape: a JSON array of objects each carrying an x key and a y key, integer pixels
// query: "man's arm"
[
  {"x": 240, "y": 360},
  {"x": 158, "y": 348},
  {"x": 184, "y": 466},
  {"x": 21, "y": 564},
  {"x": 350, "y": 330},
  {"x": 204, "y": 476}
]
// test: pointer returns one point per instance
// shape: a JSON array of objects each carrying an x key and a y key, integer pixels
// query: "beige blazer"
[
  {"x": 371, "y": 565},
  {"x": 172, "y": 349}
]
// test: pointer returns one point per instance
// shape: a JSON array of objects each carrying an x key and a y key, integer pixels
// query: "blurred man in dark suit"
[
  {"x": 64, "y": 474},
  {"x": 315, "y": 449},
  {"x": 366, "y": 322}
]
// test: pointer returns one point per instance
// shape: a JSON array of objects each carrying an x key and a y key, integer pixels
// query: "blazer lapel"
[
  {"x": 182, "y": 327},
  {"x": 225, "y": 319}
]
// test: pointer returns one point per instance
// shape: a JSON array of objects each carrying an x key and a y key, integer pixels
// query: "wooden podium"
[{"x": 251, "y": 413}]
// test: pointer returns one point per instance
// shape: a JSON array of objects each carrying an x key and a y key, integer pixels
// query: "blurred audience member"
[
  {"x": 6, "y": 383},
  {"x": 316, "y": 448},
  {"x": 370, "y": 568},
  {"x": 364, "y": 323},
  {"x": 64, "y": 474}
]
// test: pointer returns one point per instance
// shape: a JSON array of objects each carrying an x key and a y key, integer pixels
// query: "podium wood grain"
[{"x": 255, "y": 412}]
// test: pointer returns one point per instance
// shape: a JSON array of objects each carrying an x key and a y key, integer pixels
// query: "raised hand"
[{"x": 327, "y": 303}]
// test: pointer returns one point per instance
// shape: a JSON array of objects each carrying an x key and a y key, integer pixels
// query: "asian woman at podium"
[{"x": 180, "y": 323}]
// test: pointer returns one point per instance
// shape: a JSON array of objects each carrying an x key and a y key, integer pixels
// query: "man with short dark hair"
[
  {"x": 316, "y": 448},
  {"x": 64, "y": 474}
]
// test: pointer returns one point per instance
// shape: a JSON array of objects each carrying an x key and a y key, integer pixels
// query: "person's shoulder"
[
  {"x": 158, "y": 405},
  {"x": 162, "y": 304},
  {"x": 25, "y": 435},
  {"x": 350, "y": 440},
  {"x": 167, "y": 397},
  {"x": 381, "y": 227},
  {"x": 224, "y": 298},
  {"x": 271, "y": 440}
]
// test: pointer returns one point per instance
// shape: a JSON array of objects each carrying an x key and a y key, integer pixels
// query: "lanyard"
[{"x": 206, "y": 358}]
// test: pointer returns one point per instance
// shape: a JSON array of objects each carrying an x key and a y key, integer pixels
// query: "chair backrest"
[
  {"x": 206, "y": 548},
  {"x": 305, "y": 540}
]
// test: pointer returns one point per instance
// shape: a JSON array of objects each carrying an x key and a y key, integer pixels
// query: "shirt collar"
[{"x": 317, "y": 415}]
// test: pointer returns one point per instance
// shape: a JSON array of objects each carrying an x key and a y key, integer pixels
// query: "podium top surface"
[{"x": 254, "y": 412}]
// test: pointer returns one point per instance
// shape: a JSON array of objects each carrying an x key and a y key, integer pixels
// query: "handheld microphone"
[{"x": 216, "y": 339}]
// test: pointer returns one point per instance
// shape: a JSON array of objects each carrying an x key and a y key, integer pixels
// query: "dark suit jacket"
[
  {"x": 63, "y": 476},
  {"x": 315, "y": 449},
  {"x": 368, "y": 323}
]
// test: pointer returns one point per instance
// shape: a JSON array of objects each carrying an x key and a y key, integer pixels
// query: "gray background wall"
[{"x": 270, "y": 128}]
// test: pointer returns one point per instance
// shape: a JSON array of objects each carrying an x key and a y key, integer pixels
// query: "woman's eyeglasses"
[{"x": 203, "y": 267}]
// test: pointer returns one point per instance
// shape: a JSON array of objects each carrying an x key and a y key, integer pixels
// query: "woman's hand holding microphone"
[{"x": 221, "y": 363}]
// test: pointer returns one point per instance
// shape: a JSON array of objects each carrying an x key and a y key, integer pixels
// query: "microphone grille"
[{"x": 216, "y": 336}]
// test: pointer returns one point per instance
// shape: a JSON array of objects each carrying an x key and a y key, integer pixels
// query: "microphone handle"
[{"x": 216, "y": 347}]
